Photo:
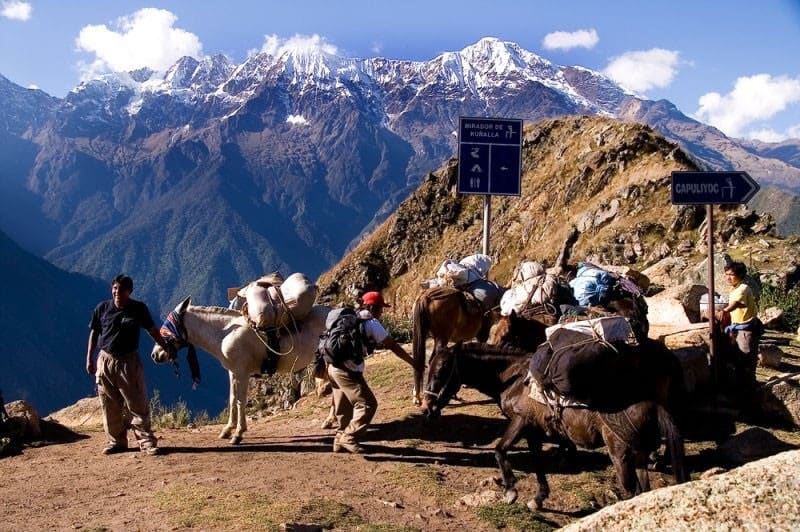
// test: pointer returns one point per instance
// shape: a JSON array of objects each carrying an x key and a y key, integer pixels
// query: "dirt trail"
[{"x": 411, "y": 478}]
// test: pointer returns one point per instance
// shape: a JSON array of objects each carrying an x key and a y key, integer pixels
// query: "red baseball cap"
[{"x": 374, "y": 298}]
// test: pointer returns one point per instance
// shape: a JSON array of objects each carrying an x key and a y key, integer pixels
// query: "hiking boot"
[
  {"x": 152, "y": 451},
  {"x": 350, "y": 447},
  {"x": 342, "y": 444},
  {"x": 114, "y": 449}
]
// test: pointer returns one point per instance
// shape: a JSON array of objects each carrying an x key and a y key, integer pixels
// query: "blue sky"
[{"x": 732, "y": 64}]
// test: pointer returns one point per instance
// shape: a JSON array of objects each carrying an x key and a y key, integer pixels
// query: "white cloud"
[
  {"x": 563, "y": 40},
  {"x": 147, "y": 38},
  {"x": 16, "y": 10},
  {"x": 766, "y": 135},
  {"x": 302, "y": 44},
  {"x": 33, "y": 86},
  {"x": 752, "y": 100},
  {"x": 297, "y": 120},
  {"x": 376, "y": 47},
  {"x": 642, "y": 70}
]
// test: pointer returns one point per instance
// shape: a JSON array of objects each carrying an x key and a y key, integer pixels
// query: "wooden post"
[
  {"x": 487, "y": 221},
  {"x": 712, "y": 307}
]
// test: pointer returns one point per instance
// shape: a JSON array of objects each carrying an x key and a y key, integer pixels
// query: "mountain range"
[{"x": 212, "y": 173}]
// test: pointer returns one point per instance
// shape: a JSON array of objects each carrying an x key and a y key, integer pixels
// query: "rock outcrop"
[{"x": 761, "y": 495}]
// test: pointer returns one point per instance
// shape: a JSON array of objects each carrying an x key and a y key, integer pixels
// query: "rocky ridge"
[{"x": 609, "y": 180}]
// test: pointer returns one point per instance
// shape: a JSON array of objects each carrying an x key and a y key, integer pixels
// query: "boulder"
[
  {"x": 772, "y": 318},
  {"x": 27, "y": 413},
  {"x": 666, "y": 271},
  {"x": 85, "y": 413},
  {"x": 780, "y": 399},
  {"x": 679, "y": 305},
  {"x": 761, "y": 495},
  {"x": 770, "y": 356}
]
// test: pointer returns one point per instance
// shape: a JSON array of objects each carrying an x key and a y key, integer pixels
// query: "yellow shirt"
[{"x": 743, "y": 294}]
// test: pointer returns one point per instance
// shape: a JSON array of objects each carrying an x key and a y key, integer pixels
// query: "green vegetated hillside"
[{"x": 610, "y": 180}]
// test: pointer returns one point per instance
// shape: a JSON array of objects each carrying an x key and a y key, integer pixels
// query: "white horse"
[{"x": 225, "y": 334}]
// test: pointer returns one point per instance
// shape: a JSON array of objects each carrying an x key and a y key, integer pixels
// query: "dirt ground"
[{"x": 284, "y": 475}]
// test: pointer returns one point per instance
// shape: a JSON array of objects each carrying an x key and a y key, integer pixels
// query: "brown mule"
[{"x": 448, "y": 315}]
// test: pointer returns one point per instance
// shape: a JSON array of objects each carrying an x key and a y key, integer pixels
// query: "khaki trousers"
[
  {"x": 120, "y": 386},
  {"x": 354, "y": 404}
]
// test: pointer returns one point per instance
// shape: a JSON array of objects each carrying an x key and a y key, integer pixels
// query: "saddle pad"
[
  {"x": 550, "y": 397},
  {"x": 610, "y": 329}
]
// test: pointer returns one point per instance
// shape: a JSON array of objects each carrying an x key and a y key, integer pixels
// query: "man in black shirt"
[{"x": 119, "y": 374}]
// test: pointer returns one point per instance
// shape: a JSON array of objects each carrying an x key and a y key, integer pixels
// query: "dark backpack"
[{"x": 345, "y": 339}]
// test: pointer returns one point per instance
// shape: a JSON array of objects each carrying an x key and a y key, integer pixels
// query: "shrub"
[
  {"x": 399, "y": 328},
  {"x": 787, "y": 300},
  {"x": 177, "y": 415}
]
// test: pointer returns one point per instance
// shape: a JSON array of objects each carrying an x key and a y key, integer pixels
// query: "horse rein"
[{"x": 453, "y": 372}]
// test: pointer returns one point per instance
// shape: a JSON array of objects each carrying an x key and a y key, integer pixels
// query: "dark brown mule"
[
  {"x": 447, "y": 315},
  {"x": 629, "y": 434},
  {"x": 661, "y": 375}
]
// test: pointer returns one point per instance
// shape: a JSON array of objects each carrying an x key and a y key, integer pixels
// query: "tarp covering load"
[
  {"x": 586, "y": 361},
  {"x": 530, "y": 286},
  {"x": 271, "y": 301},
  {"x": 591, "y": 285}
]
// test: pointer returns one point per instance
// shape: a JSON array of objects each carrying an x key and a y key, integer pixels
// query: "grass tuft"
[{"x": 514, "y": 516}]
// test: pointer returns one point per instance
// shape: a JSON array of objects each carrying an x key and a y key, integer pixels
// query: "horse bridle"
[
  {"x": 174, "y": 333},
  {"x": 453, "y": 372}
]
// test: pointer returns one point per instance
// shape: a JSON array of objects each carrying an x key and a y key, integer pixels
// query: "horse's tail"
[
  {"x": 420, "y": 334},
  {"x": 674, "y": 440}
]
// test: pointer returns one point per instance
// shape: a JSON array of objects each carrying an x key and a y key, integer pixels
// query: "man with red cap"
[{"x": 354, "y": 404}]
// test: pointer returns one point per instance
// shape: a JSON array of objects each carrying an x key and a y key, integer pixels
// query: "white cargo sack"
[
  {"x": 529, "y": 285},
  {"x": 299, "y": 294},
  {"x": 459, "y": 274},
  {"x": 261, "y": 300},
  {"x": 479, "y": 264},
  {"x": 271, "y": 301},
  {"x": 609, "y": 329}
]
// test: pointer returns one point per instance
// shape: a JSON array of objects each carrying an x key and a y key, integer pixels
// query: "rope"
[{"x": 257, "y": 332}]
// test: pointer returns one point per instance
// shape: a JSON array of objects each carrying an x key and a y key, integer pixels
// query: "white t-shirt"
[{"x": 375, "y": 332}]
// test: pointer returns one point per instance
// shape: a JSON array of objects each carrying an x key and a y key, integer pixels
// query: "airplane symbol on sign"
[{"x": 475, "y": 153}]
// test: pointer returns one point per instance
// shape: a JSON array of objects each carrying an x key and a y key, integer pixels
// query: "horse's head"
[
  {"x": 443, "y": 381},
  {"x": 634, "y": 308},
  {"x": 174, "y": 334},
  {"x": 501, "y": 331},
  {"x": 521, "y": 331}
]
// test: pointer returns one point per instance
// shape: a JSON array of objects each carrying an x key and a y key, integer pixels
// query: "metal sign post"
[
  {"x": 709, "y": 189},
  {"x": 489, "y": 161}
]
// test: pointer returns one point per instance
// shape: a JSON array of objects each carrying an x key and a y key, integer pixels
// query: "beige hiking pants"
[
  {"x": 120, "y": 386},
  {"x": 354, "y": 404}
]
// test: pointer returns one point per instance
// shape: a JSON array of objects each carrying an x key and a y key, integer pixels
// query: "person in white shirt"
[{"x": 354, "y": 403}]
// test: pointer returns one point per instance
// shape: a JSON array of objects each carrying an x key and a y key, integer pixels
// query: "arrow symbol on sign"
[
  {"x": 504, "y": 168},
  {"x": 476, "y": 168}
]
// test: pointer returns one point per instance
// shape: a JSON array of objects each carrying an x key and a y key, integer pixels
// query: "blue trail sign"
[
  {"x": 489, "y": 156},
  {"x": 712, "y": 188}
]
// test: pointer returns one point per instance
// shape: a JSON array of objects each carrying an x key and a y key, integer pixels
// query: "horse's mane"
[
  {"x": 486, "y": 351},
  {"x": 215, "y": 310}
]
